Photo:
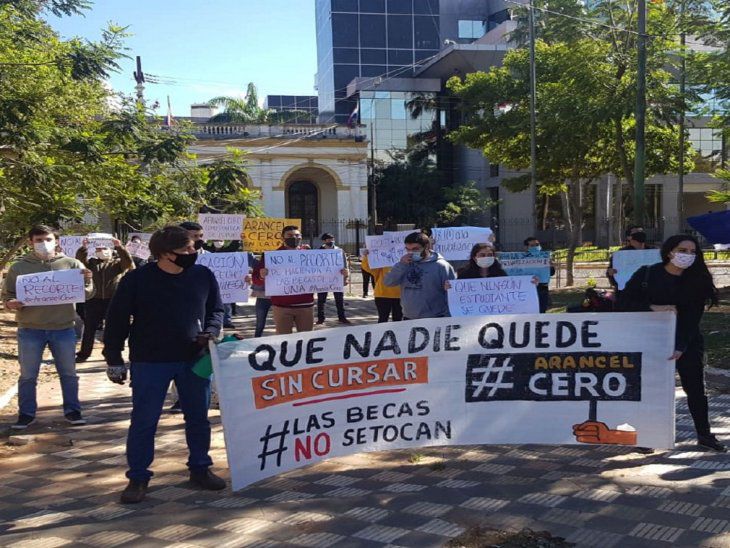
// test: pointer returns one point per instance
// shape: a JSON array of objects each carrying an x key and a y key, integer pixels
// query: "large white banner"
[
  {"x": 293, "y": 400},
  {"x": 50, "y": 288},
  {"x": 297, "y": 272},
  {"x": 455, "y": 243},
  {"x": 230, "y": 271},
  {"x": 628, "y": 261},
  {"x": 221, "y": 226},
  {"x": 493, "y": 296}
]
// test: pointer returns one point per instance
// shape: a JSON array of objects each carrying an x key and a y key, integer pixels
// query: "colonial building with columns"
[{"x": 316, "y": 173}]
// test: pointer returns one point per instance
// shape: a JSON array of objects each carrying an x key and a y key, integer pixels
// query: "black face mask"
[
  {"x": 292, "y": 242},
  {"x": 639, "y": 237},
  {"x": 199, "y": 244},
  {"x": 185, "y": 261}
]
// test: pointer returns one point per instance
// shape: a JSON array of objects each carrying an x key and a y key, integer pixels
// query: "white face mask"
[
  {"x": 484, "y": 262},
  {"x": 45, "y": 249},
  {"x": 217, "y": 244},
  {"x": 683, "y": 260},
  {"x": 104, "y": 254}
]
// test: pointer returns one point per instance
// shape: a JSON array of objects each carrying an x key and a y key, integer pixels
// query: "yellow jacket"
[{"x": 381, "y": 290}]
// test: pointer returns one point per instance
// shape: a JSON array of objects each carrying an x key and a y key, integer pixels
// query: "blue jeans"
[
  {"x": 262, "y": 310},
  {"x": 227, "y": 313},
  {"x": 150, "y": 382},
  {"x": 62, "y": 343}
]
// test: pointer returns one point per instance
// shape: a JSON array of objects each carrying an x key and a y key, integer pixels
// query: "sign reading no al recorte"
[
  {"x": 52, "y": 287},
  {"x": 289, "y": 401},
  {"x": 296, "y": 272}
]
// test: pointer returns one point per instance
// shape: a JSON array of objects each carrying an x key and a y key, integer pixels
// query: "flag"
[
  {"x": 715, "y": 227},
  {"x": 169, "y": 121},
  {"x": 352, "y": 120}
]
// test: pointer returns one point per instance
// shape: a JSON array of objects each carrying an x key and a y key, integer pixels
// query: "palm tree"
[{"x": 248, "y": 111}]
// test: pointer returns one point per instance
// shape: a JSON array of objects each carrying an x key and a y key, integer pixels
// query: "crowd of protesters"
[{"x": 167, "y": 308}]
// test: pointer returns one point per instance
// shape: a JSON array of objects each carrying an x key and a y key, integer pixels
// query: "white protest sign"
[
  {"x": 51, "y": 288},
  {"x": 221, "y": 226},
  {"x": 297, "y": 272},
  {"x": 526, "y": 264},
  {"x": 230, "y": 269},
  {"x": 100, "y": 239},
  {"x": 627, "y": 261},
  {"x": 386, "y": 250},
  {"x": 71, "y": 244},
  {"x": 455, "y": 243},
  {"x": 139, "y": 249},
  {"x": 292, "y": 400},
  {"x": 493, "y": 296}
]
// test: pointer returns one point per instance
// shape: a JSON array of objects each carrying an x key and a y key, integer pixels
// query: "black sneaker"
[
  {"x": 23, "y": 422},
  {"x": 711, "y": 442},
  {"x": 344, "y": 320},
  {"x": 320, "y": 321},
  {"x": 175, "y": 409},
  {"x": 81, "y": 358},
  {"x": 134, "y": 492},
  {"x": 75, "y": 418},
  {"x": 207, "y": 480}
]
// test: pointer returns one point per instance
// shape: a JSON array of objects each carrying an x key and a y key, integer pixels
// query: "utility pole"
[
  {"x": 639, "y": 205},
  {"x": 139, "y": 78},
  {"x": 682, "y": 90},
  {"x": 373, "y": 185},
  {"x": 533, "y": 114}
]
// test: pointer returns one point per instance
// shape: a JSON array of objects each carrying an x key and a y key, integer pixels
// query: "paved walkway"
[{"x": 64, "y": 488}]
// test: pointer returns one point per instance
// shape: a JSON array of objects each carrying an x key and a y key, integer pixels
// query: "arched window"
[{"x": 303, "y": 203}]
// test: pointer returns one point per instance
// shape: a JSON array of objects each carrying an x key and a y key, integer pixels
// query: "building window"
[
  {"x": 470, "y": 30},
  {"x": 707, "y": 142},
  {"x": 494, "y": 170}
]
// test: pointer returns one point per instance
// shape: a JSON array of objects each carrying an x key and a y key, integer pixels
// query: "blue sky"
[{"x": 209, "y": 48}]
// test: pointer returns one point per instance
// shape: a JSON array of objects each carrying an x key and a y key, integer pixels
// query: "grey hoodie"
[{"x": 422, "y": 293}]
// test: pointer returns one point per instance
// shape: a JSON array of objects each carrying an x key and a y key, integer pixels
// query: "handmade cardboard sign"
[
  {"x": 628, "y": 261},
  {"x": 293, "y": 400},
  {"x": 455, "y": 243},
  {"x": 71, "y": 244},
  {"x": 493, "y": 296},
  {"x": 230, "y": 271},
  {"x": 221, "y": 226},
  {"x": 386, "y": 250},
  {"x": 52, "y": 287},
  {"x": 297, "y": 272},
  {"x": 264, "y": 234},
  {"x": 526, "y": 264}
]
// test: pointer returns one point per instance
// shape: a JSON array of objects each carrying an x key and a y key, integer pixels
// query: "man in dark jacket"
[
  {"x": 175, "y": 308},
  {"x": 107, "y": 268}
]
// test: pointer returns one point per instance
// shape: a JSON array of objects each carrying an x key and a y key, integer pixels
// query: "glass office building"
[
  {"x": 369, "y": 38},
  {"x": 305, "y": 106}
]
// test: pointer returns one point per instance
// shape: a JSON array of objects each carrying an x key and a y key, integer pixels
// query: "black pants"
[
  {"x": 94, "y": 314},
  {"x": 367, "y": 280},
  {"x": 339, "y": 302},
  {"x": 387, "y": 306},
  {"x": 543, "y": 297},
  {"x": 692, "y": 376}
]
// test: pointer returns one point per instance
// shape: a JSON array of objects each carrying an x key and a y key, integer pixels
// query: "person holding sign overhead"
[
  {"x": 681, "y": 283},
  {"x": 107, "y": 269},
  {"x": 421, "y": 274},
  {"x": 45, "y": 325},
  {"x": 169, "y": 309}
]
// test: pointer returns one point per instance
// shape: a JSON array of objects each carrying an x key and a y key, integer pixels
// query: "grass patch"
[{"x": 715, "y": 324}]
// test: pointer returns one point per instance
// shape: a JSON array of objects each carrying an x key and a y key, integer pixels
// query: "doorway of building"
[{"x": 303, "y": 203}]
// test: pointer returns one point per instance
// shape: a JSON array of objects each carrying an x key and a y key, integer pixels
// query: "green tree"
[
  {"x": 466, "y": 205},
  {"x": 248, "y": 110}
]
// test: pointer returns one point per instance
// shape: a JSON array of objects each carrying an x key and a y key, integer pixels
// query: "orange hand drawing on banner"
[{"x": 592, "y": 431}]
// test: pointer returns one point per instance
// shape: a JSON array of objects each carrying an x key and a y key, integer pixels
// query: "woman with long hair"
[
  {"x": 683, "y": 283},
  {"x": 482, "y": 263}
]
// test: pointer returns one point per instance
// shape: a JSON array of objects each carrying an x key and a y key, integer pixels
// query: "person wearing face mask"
[
  {"x": 421, "y": 274},
  {"x": 635, "y": 240},
  {"x": 681, "y": 283},
  {"x": 291, "y": 310},
  {"x": 195, "y": 230},
  {"x": 107, "y": 267},
  {"x": 41, "y": 326},
  {"x": 169, "y": 309},
  {"x": 482, "y": 263},
  {"x": 328, "y": 242},
  {"x": 532, "y": 248}
]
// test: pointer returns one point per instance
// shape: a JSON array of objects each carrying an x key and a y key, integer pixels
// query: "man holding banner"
[{"x": 49, "y": 325}]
